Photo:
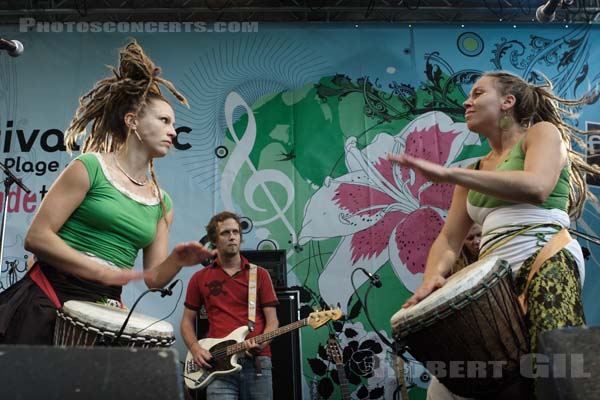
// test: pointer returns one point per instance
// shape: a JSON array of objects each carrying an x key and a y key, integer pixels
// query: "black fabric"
[
  {"x": 27, "y": 316},
  {"x": 69, "y": 287}
]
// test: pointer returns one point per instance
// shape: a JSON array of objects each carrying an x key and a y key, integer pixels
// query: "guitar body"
[
  {"x": 225, "y": 351},
  {"x": 197, "y": 377}
]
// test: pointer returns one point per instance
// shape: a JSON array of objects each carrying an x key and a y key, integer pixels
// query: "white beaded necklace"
[{"x": 135, "y": 181}]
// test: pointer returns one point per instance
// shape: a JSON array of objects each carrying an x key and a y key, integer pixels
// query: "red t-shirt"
[{"x": 226, "y": 299}]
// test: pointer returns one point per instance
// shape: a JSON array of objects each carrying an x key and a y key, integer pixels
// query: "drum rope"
[
  {"x": 459, "y": 303},
  {"x": 465, "y": 344},
  {"x": 509, "y": 293},
  {"x": 495, "y": 324},
  {"x": 504, "y": 311},
  {"x": 493, "y": 321}
]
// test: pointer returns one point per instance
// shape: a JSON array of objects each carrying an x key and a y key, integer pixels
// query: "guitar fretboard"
[
  {"x": 239, "y": 347},
  {"x": 343, "y": 381}
]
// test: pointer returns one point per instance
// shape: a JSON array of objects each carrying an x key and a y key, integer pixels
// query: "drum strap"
[
  {"x": 553, "y": 246},
  {"x": 40, "y": 279},
  {"x": 252, "y": 297}
]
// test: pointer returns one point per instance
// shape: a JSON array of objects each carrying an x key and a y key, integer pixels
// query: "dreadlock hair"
[
  {"x": 133, "y": 85},
  {"x": 538, "y": 103}
]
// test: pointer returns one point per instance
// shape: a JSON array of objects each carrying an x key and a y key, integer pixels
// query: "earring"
[
  {"x": 506, "y": 121},
  {"x": 137, "y": 135}
]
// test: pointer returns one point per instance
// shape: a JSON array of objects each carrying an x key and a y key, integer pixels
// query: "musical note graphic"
[{"x": 240, "y": 157}]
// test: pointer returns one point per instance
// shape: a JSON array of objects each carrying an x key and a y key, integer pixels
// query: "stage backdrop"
[{"x": 289, "y": 126}]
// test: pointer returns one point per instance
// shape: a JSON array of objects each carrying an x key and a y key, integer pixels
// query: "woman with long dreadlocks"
[
  {"x": 523, "y": 194},
  {"x": 103, "y": 208}
]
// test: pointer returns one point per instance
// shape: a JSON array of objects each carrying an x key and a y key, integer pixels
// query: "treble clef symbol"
[{"x": 259, "y": 178}]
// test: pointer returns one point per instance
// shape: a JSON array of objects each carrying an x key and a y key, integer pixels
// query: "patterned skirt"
[{"x": 554, "y": 299}]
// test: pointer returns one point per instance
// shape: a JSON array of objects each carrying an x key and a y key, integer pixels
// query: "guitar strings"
[{"x": 222, "y": 352}]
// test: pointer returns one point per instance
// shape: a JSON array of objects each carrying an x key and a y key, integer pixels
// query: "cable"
[
  {"x": 172, "y": 311},
  {"x": 163, "y": 291},
  {"x": 397, "y": 348},
  {"x": 365, "y": 307}
]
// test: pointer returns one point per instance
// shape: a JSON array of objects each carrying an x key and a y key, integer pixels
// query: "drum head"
[
  {"x": 456, "y": 287},
  {"x": 110, "y": 319}
]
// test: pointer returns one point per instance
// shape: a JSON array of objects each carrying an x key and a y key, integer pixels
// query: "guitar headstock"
[
  {"x": 333, "y": 351},
  {"x": 319, "y": 318}
]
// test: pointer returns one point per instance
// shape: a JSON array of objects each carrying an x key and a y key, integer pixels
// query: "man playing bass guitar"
[{"x": 223, "y": 289}]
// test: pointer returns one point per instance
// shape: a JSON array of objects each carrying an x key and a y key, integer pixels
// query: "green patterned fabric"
[{"x": 554, "y": 299}]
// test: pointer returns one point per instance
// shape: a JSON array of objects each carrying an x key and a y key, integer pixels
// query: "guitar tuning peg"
[{"x": 317, "y": 308}]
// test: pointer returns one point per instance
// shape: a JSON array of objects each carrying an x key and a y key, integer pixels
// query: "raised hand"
[
  {"x": 432, "y": 171},
  {"x": 191, "y": 253}
]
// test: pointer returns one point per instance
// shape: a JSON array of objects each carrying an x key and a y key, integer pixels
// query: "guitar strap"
[{"x": 252, "y": 297}]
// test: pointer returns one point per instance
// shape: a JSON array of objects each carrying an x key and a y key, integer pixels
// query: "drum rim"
[
  {"x": 414, "y": 324},
  {"x": 162, "y": 341},
  {"x": 130, "y": 332}
]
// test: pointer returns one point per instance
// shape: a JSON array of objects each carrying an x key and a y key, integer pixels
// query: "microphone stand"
[
  {"x": 8, "y": 181},
  {"x": 397, "y": 348},
  {"x": 163, "y": 292}
]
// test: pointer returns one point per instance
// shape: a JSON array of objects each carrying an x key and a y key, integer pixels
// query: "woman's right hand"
[
  {"x": 119, "y": 277},
  {"x": 428, "y": 286}
]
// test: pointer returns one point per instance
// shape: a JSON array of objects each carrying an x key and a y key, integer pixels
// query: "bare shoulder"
[
  {"x": 76, "y": 170},
  {"x": 543, "y": 131},
  {"x": 75, "y": 177},
  {"x": 543, "y": 128}
]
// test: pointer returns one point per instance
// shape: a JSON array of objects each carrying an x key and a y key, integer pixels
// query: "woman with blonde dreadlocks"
[
  {"x": 523, "y": 194},
  {"x": 104, "y": 207}
]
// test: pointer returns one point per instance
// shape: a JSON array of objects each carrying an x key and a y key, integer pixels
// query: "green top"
[
  {"x": 109, "y": 223},
  {"x": 515, "y": 161}
]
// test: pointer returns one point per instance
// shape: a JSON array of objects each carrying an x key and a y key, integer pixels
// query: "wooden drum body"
[
  {"x": 81, "y": 323},
  {"x": 470, "y": 333}
]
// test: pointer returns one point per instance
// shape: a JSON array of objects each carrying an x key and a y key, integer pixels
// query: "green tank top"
[
  {"x": 109, "y": 223},
  {"x": 515, "y": 161}
]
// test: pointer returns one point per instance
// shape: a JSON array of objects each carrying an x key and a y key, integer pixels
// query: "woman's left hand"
[
  {"x": 191, "y": 253},
  {"x": 432, "y": 171}
]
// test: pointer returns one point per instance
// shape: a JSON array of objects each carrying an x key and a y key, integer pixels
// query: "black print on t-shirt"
[{"x": 215, "y": 288}]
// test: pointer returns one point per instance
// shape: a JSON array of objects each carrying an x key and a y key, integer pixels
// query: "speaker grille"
[{"x": 274, "y": 261}]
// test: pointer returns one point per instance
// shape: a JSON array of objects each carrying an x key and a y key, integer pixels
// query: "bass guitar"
[{"x": 225, "y": 351}]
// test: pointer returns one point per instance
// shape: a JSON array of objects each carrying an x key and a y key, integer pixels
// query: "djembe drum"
[
  {"x": 470, "y": 333},
  {"x": 81, "y": 323}
]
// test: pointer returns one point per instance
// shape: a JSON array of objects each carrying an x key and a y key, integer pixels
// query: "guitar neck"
[
  {"x": 239, "y": 347},
  {"x": 343, "y": 381}
]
